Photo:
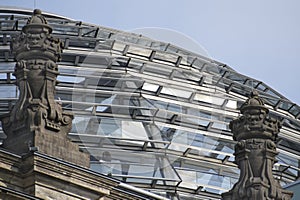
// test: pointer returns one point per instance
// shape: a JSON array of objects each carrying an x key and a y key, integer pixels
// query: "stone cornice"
[{"x": 44, "y": 176}]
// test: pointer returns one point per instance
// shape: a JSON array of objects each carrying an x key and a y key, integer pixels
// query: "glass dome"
[{"x": 151, "y": 114}]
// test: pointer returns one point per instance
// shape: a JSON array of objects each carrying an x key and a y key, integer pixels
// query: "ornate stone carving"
[
  {"x": 255, "y": 121},
  {"x": 255, "y": 153},
  {"x": 36, "y": 53},
  {"x": 37, "y": 122}
]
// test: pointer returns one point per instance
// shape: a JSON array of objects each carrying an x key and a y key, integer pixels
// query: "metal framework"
[{"x": 151, "y": 114}]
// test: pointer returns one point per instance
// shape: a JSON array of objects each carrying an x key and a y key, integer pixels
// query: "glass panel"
[
  {"x": 209, "y": 99},
  {"x": 7, "y": 25},
  {"x": 231, "y": 104},
  {"x": 119, "y": 46},
  {"x": 7, "y": 66},
  {"x": 199, "y": 63},
  {"x": 208, "y": 179},
  {"x": 158, "y": 45},
  {"x": 144, "y": 42},
  {"x": 65, "y": 30},
  {"x": 135, "y": 64},
  {"x": 172, "y": 49},
  {"x": 3, "y": 76},
  {"x": 8, "y": 91},
  {"x": 104, "y": 33},
  {"x": 189, "y": 179},
  {"x": 88, "y": 32},
  {"x": 284, "y": 165},
  {"x": 252, "y": 83},
  {"x": 166, "y": 57},
  {"x": 295, "y": 110},
  {"x": 194, "y": 120},
  {"x": 270, "y": 92},
  {"x": 124, "y": 37},
  {"x": 150, "y": 87},
  {"x": 261, "y": 87},
  {"x": 158, "y": 70},
  {"x": 176, "y": 92},
  {"x": 271, "y": 101},
  {"x": 134, "y": 130},
  {"x": 236, "y": 78},
  {"x": 220, "y": 126},
  {"x": 241, "y": 90},
  {"x": 104, "y": 45},
  {"x": 212, "y": 69},
  {"x": 70, "y": 79},
  {"x": 136, "y": 166},
  {"x": 189, "y": 76},
  {"x": 139, "y": 51},
  {"x": 285, "y": 105}
]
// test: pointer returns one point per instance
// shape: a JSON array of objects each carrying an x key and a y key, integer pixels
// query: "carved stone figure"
[
  {"x": 37, "y": 120},
  {"x": 255, "y": 153},
  {"x": 36, "y": 53}
]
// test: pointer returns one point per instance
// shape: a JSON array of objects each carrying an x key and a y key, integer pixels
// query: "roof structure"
[{"x": 151, "y": 114}]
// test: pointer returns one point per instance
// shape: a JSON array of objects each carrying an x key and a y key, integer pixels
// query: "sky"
[{"x": 260, "y": 39}]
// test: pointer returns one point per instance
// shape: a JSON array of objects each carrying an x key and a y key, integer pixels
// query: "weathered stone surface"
[
  {"x": 39, "y": 176},
  {"x": 255, "y": 152},
  {"x": 37, "y": 121},
  {"x": 49, "y": 178}
]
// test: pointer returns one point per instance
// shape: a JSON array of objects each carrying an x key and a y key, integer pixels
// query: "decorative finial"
[
  {"x": 254, "y": 102},
  {"x": 254, "y": 122},
  {"x": 39, "y": 43},
  {"x": 37, "y": 18},
  {"x": 37, "y": 23},
  {"x": 37, "y": 12}
]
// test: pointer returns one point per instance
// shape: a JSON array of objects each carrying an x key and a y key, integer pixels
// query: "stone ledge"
[{"x": 43, "y": 176}]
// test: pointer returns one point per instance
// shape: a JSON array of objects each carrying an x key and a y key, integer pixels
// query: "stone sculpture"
[
  {"x": 256, "y": 133},
  {"x": 36, "y": 53},
  {"x": 37, "y": 121}
]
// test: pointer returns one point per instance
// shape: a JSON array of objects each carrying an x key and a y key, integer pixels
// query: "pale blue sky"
[{"x": 260, "y": 39}]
